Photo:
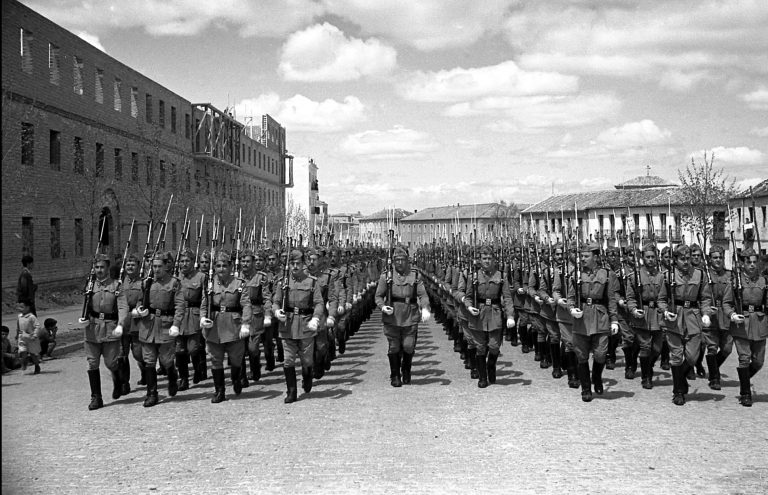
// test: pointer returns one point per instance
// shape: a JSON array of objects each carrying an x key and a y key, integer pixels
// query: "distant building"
[
  {"x": 306, "y": 192},
  {"x": 345, "y": 225},
  {"x": 374, "y": 228},
  {"x": 486, "y": 219},
  {"x": 748, "y": 221}
]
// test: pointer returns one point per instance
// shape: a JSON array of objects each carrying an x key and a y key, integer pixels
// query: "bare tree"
[
  {"x": 296, "y": 222},
  {"x": 705, "y": 190}
]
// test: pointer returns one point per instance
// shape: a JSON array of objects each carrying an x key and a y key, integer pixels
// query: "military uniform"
[
  {"x": 549, "y": 318},
  {"x": 648, "y": 328},
  {"x": 132, "y": 289},
  {"x": 565, "y": 323},
  {"x": 188, "y": 346},
  {"x": 717, "y": 339},
  {"x": 324, "y": 278},
  {"x": 260, "y": 296}
]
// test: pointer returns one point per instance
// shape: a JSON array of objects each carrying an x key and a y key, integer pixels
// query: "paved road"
[{"x": 355, "y": 434}]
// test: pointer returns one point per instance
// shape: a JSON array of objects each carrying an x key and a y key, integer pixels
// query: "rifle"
[
  {"x": 125, "y": 255},
  {"x": 286, "y": 268},
  {"x": 738, "y": 287},
  {"x": 390, "y": 266},
  {"x": 215, "y": 228},
  {"x": 199, "y": 236},
  {"x": 754, "y": 221},
  {"x": 88, "y": 292},
  {"x": 146, "y": 250},
  {"x": 237, "y": 243},
  {"x": 671, "y": 279},
  {"x": 577, "y": 275},
  {"x": 475, "y": 278},
  {"x": 704, "y": 259},
  {"x": 151, "y": 276},
  {"x": 638, "y": 284},
  {"x": 564, "y": 271},
  {"x": 165, "y": 221},
  {"x": 184, "y": 231}
]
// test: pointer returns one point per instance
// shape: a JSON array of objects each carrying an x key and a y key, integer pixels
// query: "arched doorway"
[{"x": 106, "y": 224}]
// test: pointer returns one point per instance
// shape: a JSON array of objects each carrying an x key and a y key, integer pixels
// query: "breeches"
[
  {"x": 717, "y": 341},
  {"x": 566, "y": 335},
  {"x": 682, "y": 349},
  {"x": 303, "y": 349},
  {"x": 486, "y": 342},
  {"x": 597, "y": 344},
  {"x": 401, "y": 338},
  {"x": 235, "y": 350},
  {"x": 165, "y": 353},
  {"x": 751, "y": 352},
  {"x": 649, "y": 342},
  {"x": 188, "y": 343},
  {"x": 110, "y": 351}
]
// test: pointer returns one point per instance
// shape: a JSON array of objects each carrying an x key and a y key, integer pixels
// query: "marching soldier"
[
  {"x": 686, "y": 304},
  {"x": 595, "y": 317},
  {"x": 520, "y": 289},
  {"x": 548, "y": 305},
  {"x": 275, "y": 263},
  {"x": 538, "y": 330},
  {"x": 201, "y": 373},
  {"x": 718, "y": 341},
  {"x": 257, "y": 287},
  {"x": 225, "y": 317},
  {"x": 484, "y": 302},
  {"x": 188, "y": 346},
  {"x": 106, "y": 310},
  {"x": 132, "y": 289},
  {"x": 563, "y": 314},
  {"x": 159, "y": 322},
  {"x": 697, "y": 261},
  {"x": 750, "y": 328},
  {"x": 298, "y": 305},
  {"x": 665, "y": 261},
  {"x": 318, "y": 269},
  {"x": 400, "y": 316},
  {"x": 626, "y": 334}
]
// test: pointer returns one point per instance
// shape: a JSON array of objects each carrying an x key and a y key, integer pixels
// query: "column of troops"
[
  {"x": 171, "y": 311},
  {"x": 565, "y": 303}
]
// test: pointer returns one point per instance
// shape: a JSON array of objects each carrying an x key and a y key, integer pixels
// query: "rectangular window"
[
  {"x": 78, "y": 236},
  {"x": 763, "y": 208},
  {"x": 99, "y": 169},
  {"x": 173, "y": 119},
  {"x": 118, "y": 164},
  {"x": 162, "y": 173},
  {"x": 134, "y": 102},
  {"x": 149, "y": 170},
  {"x": 27, "y": 144},
  {"x": 161, "y": 113},
  {"x": 27, "y": 236},
  {"x": 187, "y": 126},
  {"x": 25, "y": 42},
  {"x": 116, "y": 98},
  {"x": 55, "y": 238},
  {"x": 148, "y": 108},
  {"x": 174, "y": 174},
  {"x": 54, "y": 64},
  {"x": 54, "y": 150},
  {"x": 135, "y": 167},
  {"x": 173, "y": 235},
  {"x": 99, "y": 86},
  {"x": 77, "y": 75},
  {"x": 78, "y": 158}
]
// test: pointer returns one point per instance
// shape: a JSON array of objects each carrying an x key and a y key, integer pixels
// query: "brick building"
[
  {"x": 440, "y": 222},
  {"x": 89, "y": 142}
]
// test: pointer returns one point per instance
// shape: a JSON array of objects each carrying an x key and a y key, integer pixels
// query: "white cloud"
[
  {"x": 300, "y": 114},
  {"x": 633, "y": 134},
  {"x": 323, "y": 53},
  {"x": 745, "y": 184},
  {"x": 92, "y": 39},
  {"x": 397, "y": 142},
  {"x": 740, "y": 155},
  {"x": 596, "y": 182},
  {"x": 755, "y": 131},
  {"x": 504, "y": 79},
  {"x": 758, "y": 99}
]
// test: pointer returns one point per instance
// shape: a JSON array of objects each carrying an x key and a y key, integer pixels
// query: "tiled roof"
[
  {"x": 384, "y": 214},
  {"x": 759, "y": 191},
  {"x": 643, "y": 181},
  {"x": 613, "y": 198},
  {"x": 448, "y": 213}
]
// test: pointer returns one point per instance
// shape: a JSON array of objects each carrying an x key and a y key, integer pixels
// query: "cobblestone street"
[{"x": 354, "y": 433}]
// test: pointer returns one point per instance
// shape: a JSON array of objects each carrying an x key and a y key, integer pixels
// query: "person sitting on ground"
[
  {"x": 47, "y": 336},
  {"x": 10, "y": 355}
]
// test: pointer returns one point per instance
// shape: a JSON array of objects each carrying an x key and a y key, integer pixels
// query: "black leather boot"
[
  {"x": 280, "y": 352},
  {"x": 142, "y": 373},
  {"x": 630, "y": 363},
  {"x": 546, "y": 359},
  {"x": 491, "y": 366},
  {"x": 745, "y": 388},
  {"x": 394, "y": 370},
  {"x": 219, "y": 386},
  {"x": 195, "y": 359},
  {"x": 597, "y": 377},
  {"x": 554, "y": 351},
  {"x": 125, "y": 375},
  {"x": 406, "y": 368},
  {"x": 536, "y": 346},
  {"x": 646, "y": 371},
  {"x": 464, "y": 346},
  {"x": 700, "y": 371},
  {"x": 482, "y": 371},
  {"x": 678, "y": 389},
  {"x": 610, "y": 357},
  {"x": 524, "y": 340},
  {"x": 714, "y": 372},
  {"x": 473, "y": 373},
  {"x": 151, "y": 377},
  {"x": 173, "y": 381},
  {"x": 237, "y": 382},
  {"x": 584, "y": 379},
  {"x": 665, "y": 356},
  {"x": 94, "y": 380},
  {"x": 573, "y": 376},
  {"x": 306, "y": 379},
  {"x": 117, "y": 382},
  {"x": 182, "y": 363},
  {"x": 290, "y": 382}
]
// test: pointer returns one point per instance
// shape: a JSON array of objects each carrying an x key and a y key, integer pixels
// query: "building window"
[
  {"x": 173, "y": 235},
  {"x": 162, "y": 173},
  {"x": 135, "y": 167},
  {"x": 25, "y": 43},
  {"x": 78, "y": 158},
  {"x": 78, "y": 236},
  {"x": 27, "y": 144},
  {"x": 763, "y": 208},
  {"x": 173, "y": 119},
  {"x": 118, "y": 101},
  {"x": 54, "y": 64},
  {"x": 148, "y": 108},
  {"x": 189, "y": 181},
  {"x": 54, "y": 150},
  {"x": 161, "y": 113},
  {"x": 99, "y": 86},
  {"x": 55, "y": 238},
  {"x": 118, "y": 164},
  {"x": 149, "y": 170},
  {"x": 77, "y": 75},
  {"x": 174, "y": 173},
  {"x": 134, "y": 102},
  {"x": 187, "y": 126},
  {"x": 99, "y": 169},
  {"x": 27, "y": 236}
]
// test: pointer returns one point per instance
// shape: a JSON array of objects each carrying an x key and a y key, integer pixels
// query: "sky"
[{"x": 425, "y": 103}]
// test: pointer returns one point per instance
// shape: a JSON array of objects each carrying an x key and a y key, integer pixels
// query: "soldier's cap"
[
  {"x": 664, "y": 250},
  {"x": 682, "y": 250},
  {"x": 132, "y": 257},
  {"x": 245, "y": 253},
  {"x": 559, "y": 246},
  {"x": 187, "y": 253},
  {"x": 717, "y": 249},
  {"x": 590, "y": 247},
  {"x": 649, "y": 246},
  {"x": 223, "y": 255},
  {"x": 205, "y": 255},
  {"x": 101, "y": 257},
  {"x": 164, "y": 256},
  {"x": 258, "y": 254},
  {"x": 612, "y": 250},
  {"x": 50, "y": 323},
  {"x": 695, "y": 247},
  {"x": 487, "y": 249},
  {"x": 746, "y": 253},
  {"x": 296, "y": 255},
  {"x": 400, "y": 251}
]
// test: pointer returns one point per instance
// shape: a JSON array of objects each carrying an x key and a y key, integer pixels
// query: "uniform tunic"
[
  {"x": 192, "y": 288},
  {"x": 230, "y": 308},
  {"x": 493, "y": 294},
  {"x": 166, "y": 308},
  {"x": 750, "y": 336},
  {"x": 648, "y": 328},
  {"x": 598, "y": 301},
  {"x": 304, "y": 301},
  {"x": 108, "y": 307},
  {"x": 717, "y": 337},
  {"x": 408, "y": 295}
]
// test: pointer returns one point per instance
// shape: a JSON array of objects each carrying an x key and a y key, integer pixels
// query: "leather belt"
[
  {"x": 162, "y": 312},
  {"x": 650, "y": 304},
  {"x": 300, "y": 311},
  {"x": 589, "y": 301},
  {"x": 406, "y": 300},
  {"x": 488, "y": 302},
  {"x": 193, "y": 304},
  {"x": 687, "y": 304},
  {"x": 228, "y": 309},
  {"x": 103, "y": 316},
  {"x": 754, "y": 308}
]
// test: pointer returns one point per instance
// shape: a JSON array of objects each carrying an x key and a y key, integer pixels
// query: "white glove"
[
  {"x": 354, "y": 298},
  {"x": 313, "y": 323},
  {"x": 562, "y": 303},
  {"x": 348, "y": 306},
  {"x": 118, "y": 331},
  {"x": 706, "y": 321},
  {"x": 425, "y": 315},
  {"x": 737, "y": 318},
  {"x": 577, "y": 313},
  {"x": 622, "y": 303},
  {"x": 330, "y": 321},
  {"x": 387, "y": 310},
  {"x": 614, "y": 328},
  {"x": 82, "y": 322},
  {"x": 521, "y": 291},
  {"x": 245, "y": 331},
  {"x": 173, "y": 331},
  {"x": 139, "y": 312},
  {"x": 510, "y": 322},
  {"x": 280, "y": 315},
  {"x": 670, "y": 316},
  {"x": 267, "y": 321},
  {"x": 638, "y": 313},
  {"x": 206, "y": 323},
  {"x": 538, "y": 299},
  {"x": 340, "y": 310},
  {"x": 473, "y": 311},
  {"x": 551, "y": 301}
]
